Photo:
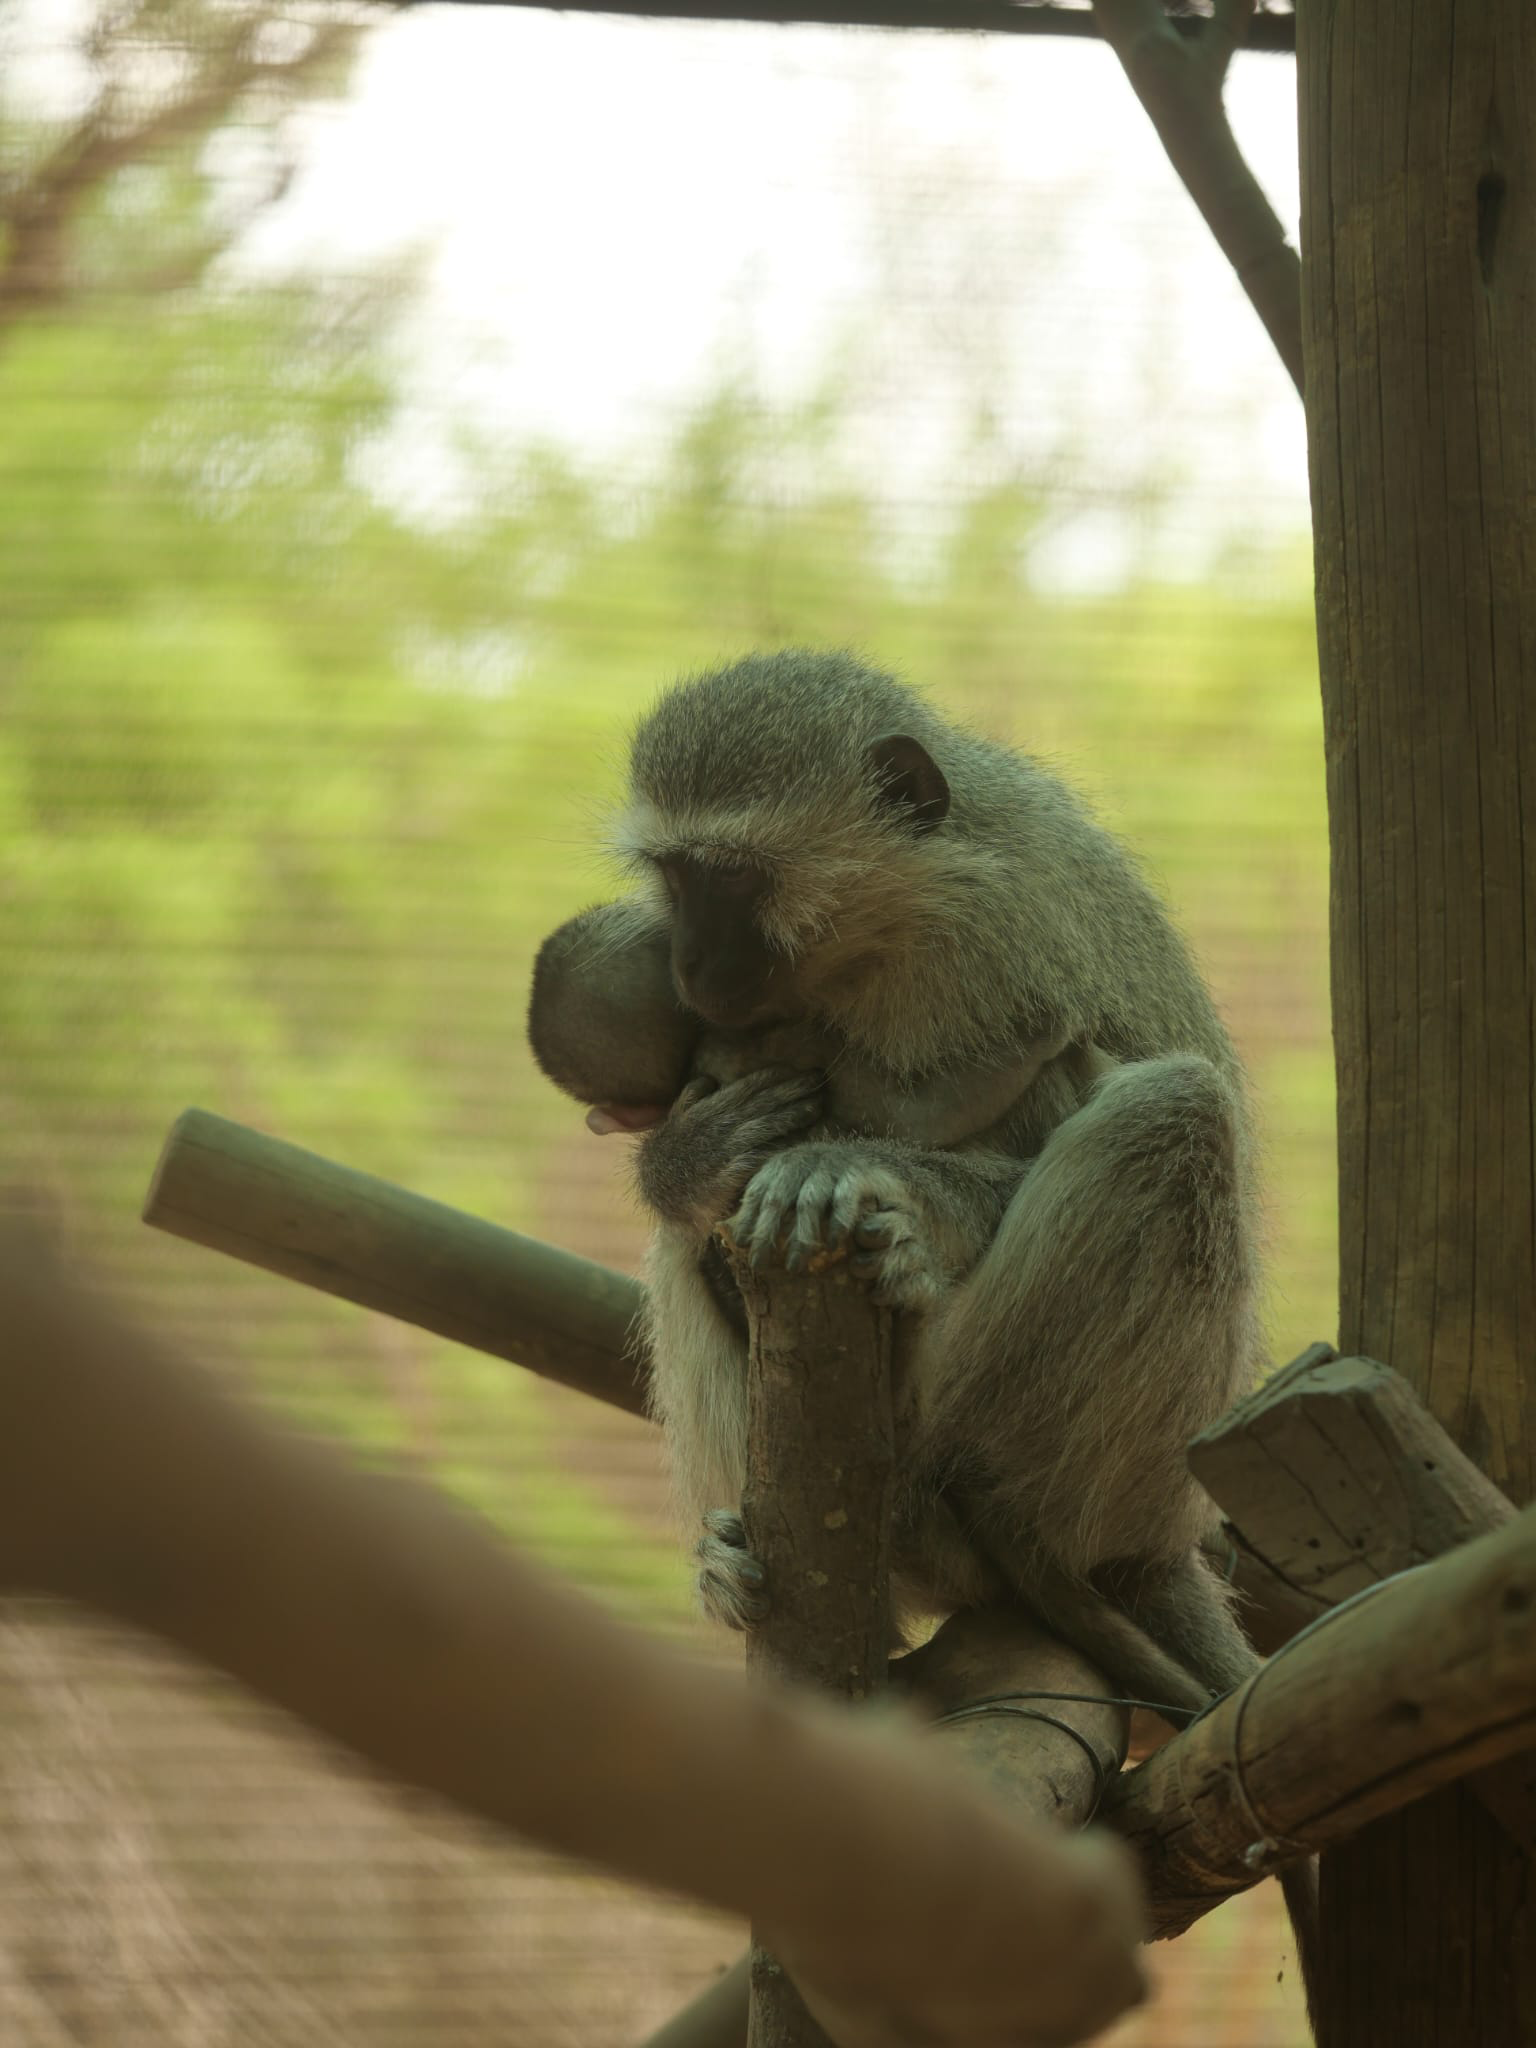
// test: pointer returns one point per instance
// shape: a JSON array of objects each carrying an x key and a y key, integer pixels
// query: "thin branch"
[
  {"x": 1230, "y": 25},
  {"x": 42, "y": 212},
  {"x": 1272, "y": 31},
  {"x": 1179, "y": 84}
]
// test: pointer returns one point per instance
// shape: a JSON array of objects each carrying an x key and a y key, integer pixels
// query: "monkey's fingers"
[
  {"x": 813, "y": 1206},
  {"x": 890, "y": 1250},
  {"x": 727, "y": 1526},
  {"x": 730, "y": 1583},
  {"x": 759, "y": 1221},
  {"x": 862, "y": 1193}
]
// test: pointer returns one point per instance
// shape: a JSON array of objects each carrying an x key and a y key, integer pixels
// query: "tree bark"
[
  {"x": 1419, "y": 289},
  {"x": 818, "y": 1506}
]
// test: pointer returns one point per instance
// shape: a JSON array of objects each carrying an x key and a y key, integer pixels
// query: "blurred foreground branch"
[{"x": 389, "y": 1619}]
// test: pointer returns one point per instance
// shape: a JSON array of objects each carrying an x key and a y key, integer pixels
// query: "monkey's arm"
[
  {"x": 692, "y": 1168},
  {"x": 915, "y": 1220}
]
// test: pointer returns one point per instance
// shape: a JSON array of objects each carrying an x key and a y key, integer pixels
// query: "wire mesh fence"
[{"x": 345, "y": 525}]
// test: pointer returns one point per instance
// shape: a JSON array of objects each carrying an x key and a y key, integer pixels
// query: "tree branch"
[
  {"x": 1179, "y": 83},
  {"x": 42, "y": 211},
  {"x": 818, "y": 1505},
  {"x": 293, "y": 1213}
]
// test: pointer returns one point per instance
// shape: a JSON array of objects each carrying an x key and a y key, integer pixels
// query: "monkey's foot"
[
  {"x": 823, "y": 1196},
  {"x": 731, "y": 1583}
]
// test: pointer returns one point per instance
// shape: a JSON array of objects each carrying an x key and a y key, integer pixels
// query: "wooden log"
[
  {"x": 1339, "y": 1476},
  {"x": 817, "y": 1507},
  {"x": 1056, "y": 1769},
  {"x": 1425, "y": 1678},
  {"x": 1026, "y": 1711},
  {"x": 305, "y": 1218}
]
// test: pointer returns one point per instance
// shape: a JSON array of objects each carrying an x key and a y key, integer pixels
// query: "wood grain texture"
[
  {"x": 1338, "y": 1476},
  {"x": 1418, "y": 161},
  {"x": 818, "y": 1508},
  {"x": 1342, "y": 1478}
]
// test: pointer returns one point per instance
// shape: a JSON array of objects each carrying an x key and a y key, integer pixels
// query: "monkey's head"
[{"x": 786, "y": 809}]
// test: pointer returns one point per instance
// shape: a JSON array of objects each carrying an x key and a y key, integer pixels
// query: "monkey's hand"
[
  {"x": 692, "y": 1168},
  {"x": 730, "y": 1581},
  {"x": 912, "y": 1221}
]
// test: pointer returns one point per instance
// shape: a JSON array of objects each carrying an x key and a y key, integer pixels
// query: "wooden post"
[
  {"x": 1343, "y": 1478},
  {"x": 273, "y": 1204},
  {"x": 818, "y": 1505},
  {"x": 1418, "y": 179}
]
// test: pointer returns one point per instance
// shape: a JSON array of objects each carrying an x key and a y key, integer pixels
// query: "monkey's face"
[{"x": 723, "y": 966}]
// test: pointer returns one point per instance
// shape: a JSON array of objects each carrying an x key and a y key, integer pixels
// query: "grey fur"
[{"x": 1081, "y": 1270}]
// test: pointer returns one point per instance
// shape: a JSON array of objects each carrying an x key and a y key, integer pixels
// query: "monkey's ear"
[{"x": 911, "y": 780}]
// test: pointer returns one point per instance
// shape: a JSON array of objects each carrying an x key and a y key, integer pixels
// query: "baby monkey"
[{"x": 606, "y": 1026}]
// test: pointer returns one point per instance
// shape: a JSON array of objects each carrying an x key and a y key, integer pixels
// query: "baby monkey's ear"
[{"x": 910, "y": 780}]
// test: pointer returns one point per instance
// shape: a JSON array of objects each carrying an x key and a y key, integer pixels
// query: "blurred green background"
[{"x": 292, "y": 781}]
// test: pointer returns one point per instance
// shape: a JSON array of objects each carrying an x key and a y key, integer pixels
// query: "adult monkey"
[{"x": 822, "y": 848}]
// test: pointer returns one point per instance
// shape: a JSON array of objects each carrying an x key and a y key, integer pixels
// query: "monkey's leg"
[{"x": 1109, "y": 1320}]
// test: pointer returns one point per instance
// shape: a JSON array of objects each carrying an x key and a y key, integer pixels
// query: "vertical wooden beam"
[
  {"x": 818, "y": 1506},
  {"x": 1418, "y": 131}
]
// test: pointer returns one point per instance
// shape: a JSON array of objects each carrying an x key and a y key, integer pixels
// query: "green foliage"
[{"x": 290, "y": 788}]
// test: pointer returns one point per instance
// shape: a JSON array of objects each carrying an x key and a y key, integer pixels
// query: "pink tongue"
[{"x": 609, "y": 1117}]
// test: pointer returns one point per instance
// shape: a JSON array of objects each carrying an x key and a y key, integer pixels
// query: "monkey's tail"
[
  {"x": 1108, "y": 1637},
  {"x": 1298, "y": 1883}
]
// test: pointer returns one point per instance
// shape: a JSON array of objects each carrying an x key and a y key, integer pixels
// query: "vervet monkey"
[
  {"x": 823, "y": 849},
  {"x": 606, "y": 1025}
]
